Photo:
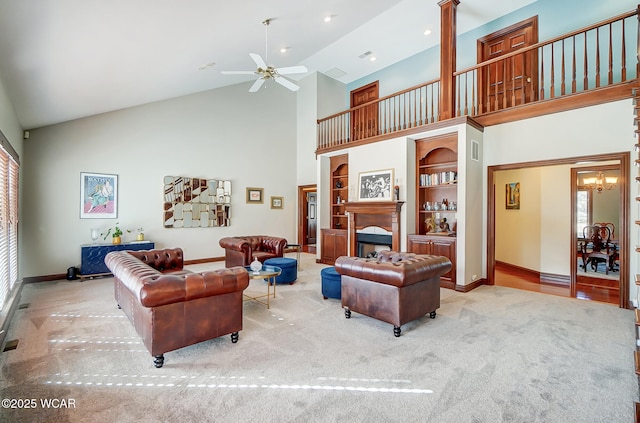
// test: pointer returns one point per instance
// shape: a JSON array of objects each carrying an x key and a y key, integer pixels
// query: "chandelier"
[{"x": 600, "y": 182}]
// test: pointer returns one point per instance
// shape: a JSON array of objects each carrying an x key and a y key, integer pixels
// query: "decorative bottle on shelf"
[{"x": 255, "y": 266}]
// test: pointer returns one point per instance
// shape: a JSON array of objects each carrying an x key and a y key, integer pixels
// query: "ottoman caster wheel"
[
  {"x": 347, "y": 313},
  {"x": 234, "y": 337},
  {"x": 432, "y": 314},
  {"x": 396, "y": 331},
  {"x": 158, "y": 360}
]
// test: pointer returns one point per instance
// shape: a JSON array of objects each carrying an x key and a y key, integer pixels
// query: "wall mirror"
[{"x": 196, "y": 202}]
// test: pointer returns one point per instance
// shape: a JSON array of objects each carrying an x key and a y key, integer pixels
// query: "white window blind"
[{"x": 8, "y": 225}]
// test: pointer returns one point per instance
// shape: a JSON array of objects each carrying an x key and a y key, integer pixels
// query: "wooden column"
[{"x": 447, "y": 58}]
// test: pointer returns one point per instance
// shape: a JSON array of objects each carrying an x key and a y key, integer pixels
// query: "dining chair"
[{"x": 596, "y": 247}]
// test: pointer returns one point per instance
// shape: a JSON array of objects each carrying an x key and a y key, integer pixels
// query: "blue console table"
[{"x": 93, "y": 256}]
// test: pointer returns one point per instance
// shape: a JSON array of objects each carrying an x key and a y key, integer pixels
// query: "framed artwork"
[
  {"x": 277, "y": 202},
  {"x": 375, "y": 186},
  {"x": 512, "y": 196},
  {"x": 98, "y": 196},
  {"x": 254, "y": 195}
]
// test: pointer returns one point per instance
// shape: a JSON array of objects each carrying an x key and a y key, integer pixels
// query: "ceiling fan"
[{"x": 269, "y": 72}]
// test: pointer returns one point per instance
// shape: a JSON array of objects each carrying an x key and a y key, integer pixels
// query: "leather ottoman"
[
  {"x": 394, "y": 287},
  {"x": 289, "y": 268}
]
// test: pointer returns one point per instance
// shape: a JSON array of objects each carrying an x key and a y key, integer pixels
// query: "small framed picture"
[
  {"x": 98, "y": 196},
  {"x": 254, "y": 195},
  {"x": 277, "y": 202},
  {"x": 375, "y": 186},
  {"x": 512, "y": 196}
]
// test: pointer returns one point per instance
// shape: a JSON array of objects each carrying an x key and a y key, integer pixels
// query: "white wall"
[{"x": 226, "y": 133}]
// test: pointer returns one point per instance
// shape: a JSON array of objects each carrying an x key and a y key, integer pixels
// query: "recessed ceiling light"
[
  {"x": 372, "y": 58},
  {"x": 327, "y": 18},
  {"x": 283, "y": 50},
  {"x": 427, "y": 32}
]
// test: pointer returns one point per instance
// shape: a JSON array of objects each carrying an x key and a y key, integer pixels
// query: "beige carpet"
[{"x": 495, "y": 354}]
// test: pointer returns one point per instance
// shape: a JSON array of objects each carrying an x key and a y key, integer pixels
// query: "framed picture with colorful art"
[
  {"x": 512, "y": 196},
  {"x": 98, "y": 196}
]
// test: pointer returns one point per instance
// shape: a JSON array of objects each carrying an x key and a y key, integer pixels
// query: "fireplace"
[
  {"x": 383, "y": 214},
  {"x": 368, "y": 244}
]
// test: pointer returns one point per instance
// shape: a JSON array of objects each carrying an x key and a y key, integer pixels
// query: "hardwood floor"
[{"x": 587, "y": 288}]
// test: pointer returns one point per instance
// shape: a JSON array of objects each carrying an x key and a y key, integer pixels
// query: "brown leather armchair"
[{"x": 240, "y": 250}]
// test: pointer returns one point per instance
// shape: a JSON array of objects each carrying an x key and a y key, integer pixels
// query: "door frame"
[
  {"x": 302, "y": 212},
  {"x": 624, "y": 159}
]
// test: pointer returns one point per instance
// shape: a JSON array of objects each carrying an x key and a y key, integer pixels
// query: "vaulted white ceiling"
[{"x": 65, "y": 59}]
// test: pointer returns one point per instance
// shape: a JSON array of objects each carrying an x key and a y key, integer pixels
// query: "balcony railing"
[
  {"x": 599, "y": 56},
  {"x": 410, "y": 108}
]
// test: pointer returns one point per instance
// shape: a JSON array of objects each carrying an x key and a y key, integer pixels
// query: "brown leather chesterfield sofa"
[
  {"x": 171, "y": 307},
  {"x": 394, "y": 287},
  {"x": 240, "y": 250}
]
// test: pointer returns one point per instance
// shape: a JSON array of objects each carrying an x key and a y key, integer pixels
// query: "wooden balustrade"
[
  {"x": 567, "y": 65},
  {"x": 596, "y": 47},
  {"x": 410, "y": 108}
]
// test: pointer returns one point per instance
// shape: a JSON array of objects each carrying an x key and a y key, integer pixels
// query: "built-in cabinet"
[
  {"x": 334, "y": 244},
  {"x": 437, "y": 200},
  {"x": 437, "y": 246},
  {"x": 334, "y": 239}
]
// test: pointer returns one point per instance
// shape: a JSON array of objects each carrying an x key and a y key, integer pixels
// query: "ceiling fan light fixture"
[{"x": 265, "y": 71}]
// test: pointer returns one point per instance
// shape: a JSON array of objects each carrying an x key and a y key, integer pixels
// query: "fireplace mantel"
[{"x": 385, "y": 214}]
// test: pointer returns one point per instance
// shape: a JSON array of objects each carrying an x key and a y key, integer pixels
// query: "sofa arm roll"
[
  {"x": 236, "y": 244},
  {"x": 168, "y": 289},
  {"x": 274, "y": 245}
]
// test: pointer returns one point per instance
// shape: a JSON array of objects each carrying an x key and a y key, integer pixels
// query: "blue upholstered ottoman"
[
  {"x": 289, "y": 268},
  {"x": 331, "y": 283}
]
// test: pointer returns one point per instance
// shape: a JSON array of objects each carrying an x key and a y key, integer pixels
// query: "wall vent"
[{"x": 475, "y": 150}]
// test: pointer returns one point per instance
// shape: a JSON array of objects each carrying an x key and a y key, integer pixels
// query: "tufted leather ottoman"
[{"x": 394, "y": 287}]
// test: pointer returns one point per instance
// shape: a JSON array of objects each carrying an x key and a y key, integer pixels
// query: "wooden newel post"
[{"x": 447, "y": 58}]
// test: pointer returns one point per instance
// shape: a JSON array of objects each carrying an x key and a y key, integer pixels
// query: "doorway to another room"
[
  {"x": 307, "y": 218},
  {"x": 536, "y": 245}
]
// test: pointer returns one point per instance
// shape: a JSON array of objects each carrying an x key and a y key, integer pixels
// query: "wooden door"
[
  {"x": 311, "y": 218},
  {"x": 514, "y": 80},
  {"x": 364, "y": 121}
]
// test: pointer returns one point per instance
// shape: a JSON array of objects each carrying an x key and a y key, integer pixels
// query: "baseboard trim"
[
  {"x": 49, "y": 278},
  {"x": 471, "y": 286},
  {"x": 545, "y": 278},
  {"x": 203, "y": 260},
  {"x": 8, "y": 312}
]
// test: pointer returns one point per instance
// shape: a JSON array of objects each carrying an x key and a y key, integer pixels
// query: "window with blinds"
[{"x": 8, "y": 222}]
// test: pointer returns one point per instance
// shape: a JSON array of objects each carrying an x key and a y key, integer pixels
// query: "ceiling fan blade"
[
  {"x": 286, "y": 83},
  {"x": 237, "y": 72},
  {"x": 256, "y": 85},
  {"x": 258, "y": 59},
  {"x": 291, "y": 70}
]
